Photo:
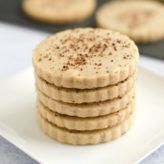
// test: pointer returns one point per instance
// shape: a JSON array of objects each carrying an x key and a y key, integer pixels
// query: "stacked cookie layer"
[{"x": 85, "y": 82}]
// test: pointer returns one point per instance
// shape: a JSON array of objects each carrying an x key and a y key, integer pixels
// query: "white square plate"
[{"x": 18, "y": 125}]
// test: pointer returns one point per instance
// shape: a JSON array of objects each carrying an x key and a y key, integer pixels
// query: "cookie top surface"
[
  {"x": 140, "y": 20},
  {"x": 58, "y": 11},
  {"x": 85, "y": 58}
]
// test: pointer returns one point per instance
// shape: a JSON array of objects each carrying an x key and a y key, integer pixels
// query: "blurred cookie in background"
[
  {"x": 145, "y": 0},
  {"x": 58, "y": 11},
  {"x": 143, "y": 21}
]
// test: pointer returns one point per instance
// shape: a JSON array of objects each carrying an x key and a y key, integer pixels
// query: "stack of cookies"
[{"x": 85, "y": 82}]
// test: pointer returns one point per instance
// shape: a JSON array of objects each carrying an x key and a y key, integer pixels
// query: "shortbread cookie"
[
  {"x": 85, "y": 58},
  {"x": 81, "y": 124},
  {"x": 58, "y": 11},
  {"x": 86, "y": 137},
  {"x": 87, "y": 110},
  {"x": 85, "y": 95},
  {"x": 140, "y": 20}
]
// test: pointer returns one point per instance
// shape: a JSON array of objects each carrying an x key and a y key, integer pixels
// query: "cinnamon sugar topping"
[{"x": 85, "y": 49}]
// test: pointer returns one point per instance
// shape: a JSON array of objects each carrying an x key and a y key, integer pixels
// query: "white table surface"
[{"x": 16, "y": 45}]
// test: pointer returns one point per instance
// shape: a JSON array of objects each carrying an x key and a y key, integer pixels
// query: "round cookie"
[
  {"x": 86, "y": 137},
  {"x": 58, "y": 11},
  {"x": 87, "y": 110},
  {"x": 81, "y": 124},
  {"x": 140, "y": 20},
  {"x": 85, "y": 58},
  {"x": 79, "y": 96}
]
